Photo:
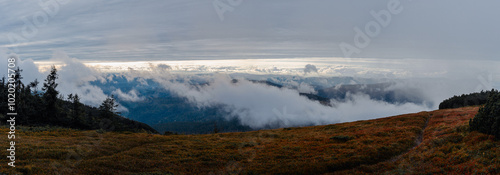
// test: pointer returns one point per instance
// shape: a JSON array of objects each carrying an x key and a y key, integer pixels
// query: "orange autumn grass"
[{"x": 425, "y": 142}]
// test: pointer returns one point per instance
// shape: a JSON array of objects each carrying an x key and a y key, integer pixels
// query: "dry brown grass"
[
  {"x": 369, "y": 146},
  {"x": 448, "y": 148}
]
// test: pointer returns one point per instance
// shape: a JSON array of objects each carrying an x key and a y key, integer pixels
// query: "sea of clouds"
[{"x": 255, "y": 104}]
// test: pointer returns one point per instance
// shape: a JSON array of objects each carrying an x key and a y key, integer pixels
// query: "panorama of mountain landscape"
[{"x": 249, "y": 87}]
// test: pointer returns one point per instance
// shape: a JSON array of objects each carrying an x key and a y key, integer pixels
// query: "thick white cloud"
[
  {"x": 132, "y": 95},
  {"x": 310, "y": 69},
  {"x": 75, "y": 77},
  {"x": 30, "y": 69},
  {"x": 258, "y": 105}
]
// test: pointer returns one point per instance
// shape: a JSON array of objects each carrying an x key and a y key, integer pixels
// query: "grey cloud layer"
[{"x": 190, "y": 29}]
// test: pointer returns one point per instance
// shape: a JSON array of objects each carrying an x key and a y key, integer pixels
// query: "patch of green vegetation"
[
  {"x": 472, "y": 99},
  {"x": 487, "y": 120}
]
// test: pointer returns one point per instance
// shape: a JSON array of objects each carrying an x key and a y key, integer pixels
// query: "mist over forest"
[{"x": 164, "y": 98}]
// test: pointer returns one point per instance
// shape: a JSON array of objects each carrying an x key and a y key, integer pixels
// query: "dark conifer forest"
[
  {"x": 41, "y": 104},
  {"x": 472, "y": 99}
]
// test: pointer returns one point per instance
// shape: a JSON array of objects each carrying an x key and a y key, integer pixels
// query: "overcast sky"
[
  {"x": 424, "y": 41},
  {"x": 390, "y": 38},
  {"x": 192, "y": 29}
]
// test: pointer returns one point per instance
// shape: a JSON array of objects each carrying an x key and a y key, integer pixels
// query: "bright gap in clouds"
[
  {"x": 207, "y": 66},
  {"x": 324, "y": 67},
  {"x": 356, "y": 67}
]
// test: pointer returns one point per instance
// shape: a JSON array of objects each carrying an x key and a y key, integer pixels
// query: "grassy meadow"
[{"x": 421, "y": 143}]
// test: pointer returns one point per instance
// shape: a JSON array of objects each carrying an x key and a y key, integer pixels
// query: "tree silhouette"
[
  {"x": 76, "y": 113},
  {"x": 472, "y": 99},
  {"x": 108, "y": 107},
  {"x": 49, "y": 108},
  {"x": 216, "y": 129},
  {"x": 487, "y": 120},
  {"x": 50, "y": 96},
  {"x": 34, "y": 85}
]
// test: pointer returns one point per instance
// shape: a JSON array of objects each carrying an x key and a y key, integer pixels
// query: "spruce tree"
[
  {"x": 50, "y": 96},
  {"x": 21, "y": 95},
  {"x": 76, "y": 111},
  {"x": 487, "y": 120},
  {"x": 108, "y": 107},
  {"x": 34, "y": 85}
]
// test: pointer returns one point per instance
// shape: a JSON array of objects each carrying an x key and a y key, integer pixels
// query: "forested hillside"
[
  {"x": 472, "y": 99},
  {"x": 46, "y": 107}
]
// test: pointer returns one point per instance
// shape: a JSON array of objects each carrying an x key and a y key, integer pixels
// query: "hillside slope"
[
  {"x": 448, "y": 147},
  {"x": 425, "y": 142}
]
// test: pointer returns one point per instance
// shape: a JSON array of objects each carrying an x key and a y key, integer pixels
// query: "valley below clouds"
[{"x": 263, "y": 95}]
